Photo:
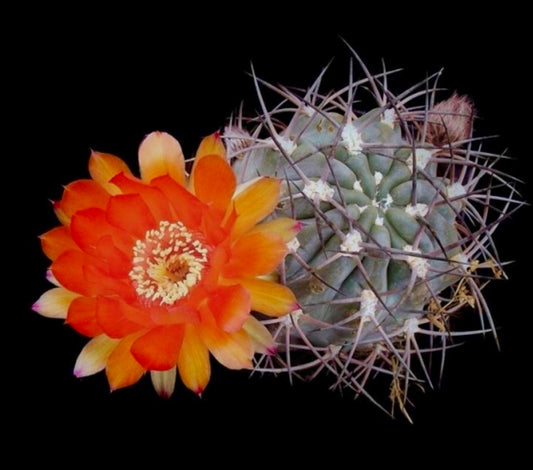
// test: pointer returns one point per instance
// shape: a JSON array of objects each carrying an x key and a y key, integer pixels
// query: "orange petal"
[
  {"x": 212, "y": 228},
  {"x": 118, "y": 264},
  {"x": 111, "y": 318},
  {"x": 82, "y": 273},
  {"x": 269, "y": 298},
  {"x": 159, "y": 348},
  {"x": 255, "y": 254},
  {"x": 160, "y": 154},
  {"x": 93, "y": 357},
  {"x": 122, "y": 369},
  {"x": 60, "y": 213},
  {"x": 103, "y": 283},
  {"x": 131, "y": 214},
  {"x": 164, "y": 382},
  {"x": 156, "y": 201},
  {"x": 55, "y": 303},
  {"x": 91, "y": 225},
  {"x": 232, "y": 350},
  {"x": 103, "y": 167},
  {"x": 187, "y": 207},
  {"x": 136, "y": 313},
  {"x": 80, "y": 195},
  {"x": 57, "y": 241},
  {"x": 182, "y": 312},
  {"x": 260, "y": 337},
  {"x": 69, "y": 270},
  {"x": 285, "y": 227},
  {"x": 217, "y": 260},
  {"x": 211, "y": 145},
  {"x": 230, "y": 306},
  {"x": 193, "y": 361},
  {"x": 254, "y": 202},
  {"x": 213, "y": 181},
  {"x": 82, "y": 316}
]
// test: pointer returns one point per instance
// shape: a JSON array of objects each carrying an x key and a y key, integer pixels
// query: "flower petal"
[
  {"x": 111, "y": 318},
  {"x": 213, "y": 181},
  {"x": 164, "y": 382},
  {"x": 138, "y": 314},
  {"x": 211, "y": 145},
  {"x": 285, "y": 227},
  {"x": 56, "y": 241},
  {"x": 232, "y": 350},
  {"x": 87, "y": 275},
  {"x": 260, "y": 337},
  {"x": 131, "y": 214},
  {"x": 69, "y": 270},
  {"x": 187, "y": 207},
  {"x": 269, "y": 298},
  {"x": 254, "y": 203},
  {"x": 55, "y": 303},
  {"x": 93, "y": 357},
  {"x": 193, "y": 361},
  {"x": 217, "y": 260},
  {"x": 230, "y": 306},
  {"x": 103, "y": 167},
  {"x": 80, "y": 195},
  {"x": 89, "y": 226},
  {"x": 51, "y": 278},
  {"x": 156, "y": 201},
  {"x": 255, "y": 254},
  {"x": 160, "y": 154},
  {"x": 159, "y": 348},
  {"x": 81, "y": 316},
  {"x": 122, "y": 369},
  {"x": 60, "y": 213},
  {"x": 103, "y": 283}
]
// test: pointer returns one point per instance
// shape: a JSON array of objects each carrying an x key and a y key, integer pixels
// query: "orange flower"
[{"x": 163, "y": 270}]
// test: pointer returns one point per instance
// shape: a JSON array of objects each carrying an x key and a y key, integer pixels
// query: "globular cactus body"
[{"x": 397, "y": 207}]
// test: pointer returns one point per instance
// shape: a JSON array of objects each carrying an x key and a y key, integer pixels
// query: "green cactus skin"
[{"x": 398, "y": 206}]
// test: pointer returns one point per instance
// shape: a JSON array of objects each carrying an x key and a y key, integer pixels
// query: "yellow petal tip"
[{"x": 212, "y": 144}]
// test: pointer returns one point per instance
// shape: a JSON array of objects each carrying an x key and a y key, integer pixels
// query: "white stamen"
[
  {"x": 423, "y": 156},
  {"x": 318, "y": 190},
  {"x": 352, "y": 139},
  {"x": 167, "y": 263},
  {"x": 417, "y": 210},
  {"x": 417, "y": 264},
  {"x": 293, "y": 245},
  {"x": 351, "y": 243},
  {"x": 369, "y": 302}
]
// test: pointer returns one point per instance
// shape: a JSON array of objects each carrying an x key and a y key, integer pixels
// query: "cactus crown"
[{"x": 398, "y": 204}]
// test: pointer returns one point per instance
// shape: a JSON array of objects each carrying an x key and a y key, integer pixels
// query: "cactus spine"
[{"x": 398, "y": 206}]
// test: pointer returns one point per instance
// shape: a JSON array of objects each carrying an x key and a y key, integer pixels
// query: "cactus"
[{"x": 398, "y": 206}]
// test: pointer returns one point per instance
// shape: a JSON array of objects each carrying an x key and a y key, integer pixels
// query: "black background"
[{"x": 102, "y": 80}]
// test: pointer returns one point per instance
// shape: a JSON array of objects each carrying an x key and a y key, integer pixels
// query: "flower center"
[{"x": 167, "y": 263}]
